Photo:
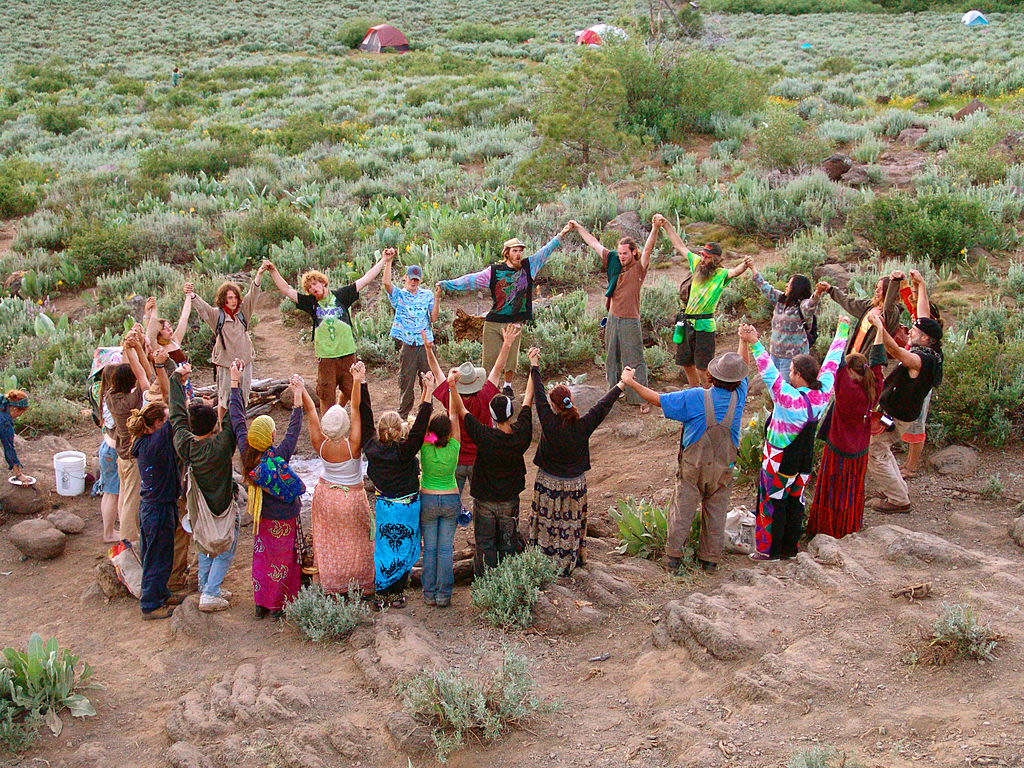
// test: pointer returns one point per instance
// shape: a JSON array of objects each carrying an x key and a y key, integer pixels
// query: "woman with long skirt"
[
  {"x": 838, "y": 506},
  {"x": 342, "y": 537},
  {"x": 274, "y": 498},
  {"x": 392, "y": 465},
  {"x": 558, "y": 519},
  {"x": 789, "y": 441}
]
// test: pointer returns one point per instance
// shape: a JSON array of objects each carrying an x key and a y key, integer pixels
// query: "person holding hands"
[{"x": 415, "y": 310}]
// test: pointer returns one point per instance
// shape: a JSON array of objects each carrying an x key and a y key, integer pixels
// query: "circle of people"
[{"x": 166, "y": 460}]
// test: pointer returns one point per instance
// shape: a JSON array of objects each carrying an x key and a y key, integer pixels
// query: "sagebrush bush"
[
  {"x": 566, "y": 332},
  {"x": 958, "y": 634},
  {"x": 506, "y": 594},
  {"x": 981, "y": 155},
  {"x": 482, "y": 32},
  {"x": 14, "y": 199},
  {"x": 823, "y": 757},
  {"x": 270, "y": 225},
  {"x": 98, "y": 247},
  {"x": 211, "y": 158},
  {"x": 457, "y": 707},
  {"x": 320, "y": 616},
  {"x": 785, "y": 142},
  {"x": 302, "y": 131},
  {"x": 61, "y": 120},
  {"x": 353, "y": 31},
  {"x": 982, "y": 394}
]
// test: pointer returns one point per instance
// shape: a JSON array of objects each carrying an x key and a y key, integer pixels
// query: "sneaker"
[
  {"x": 163, "y": 612},
  {"x": 708, "y": 566},
  {"x": 225, "y": 594},
  {"x": 507, "y": 391},
  {"x": 759, "y": 557},
  {"x": 211, "y": 604}
]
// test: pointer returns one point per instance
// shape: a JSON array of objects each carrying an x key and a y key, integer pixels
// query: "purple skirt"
[{"x": 276, "y": 573}]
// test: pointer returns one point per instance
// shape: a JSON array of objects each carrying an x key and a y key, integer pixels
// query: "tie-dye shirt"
[
  {"x": 790, "y": 415},
  {"x": 481, "y": 280}
]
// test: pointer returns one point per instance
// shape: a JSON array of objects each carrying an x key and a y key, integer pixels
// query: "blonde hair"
[
  {"x": 144, "y": 419},
  {"x": 391, "y": 428},
  {"x": 308, "y": 277}
]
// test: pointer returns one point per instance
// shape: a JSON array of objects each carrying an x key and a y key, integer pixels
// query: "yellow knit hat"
[{"x": 261, "y": 432}]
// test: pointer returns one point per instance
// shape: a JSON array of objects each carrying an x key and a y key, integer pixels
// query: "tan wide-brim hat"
[
  {"x": 728, "y": 367},
  {"x": 515, "y": 242},
  {"x": 471, "y": 379}
]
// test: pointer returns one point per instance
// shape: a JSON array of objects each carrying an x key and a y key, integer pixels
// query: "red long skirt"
[{"x": 838, "y": 507}]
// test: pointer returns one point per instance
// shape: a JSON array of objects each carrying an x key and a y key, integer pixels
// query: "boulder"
[
  {"x": 1017, "y": 531},
  {"x": 628, "y": 223},
  {"x": 410, "y": 737},
  {"x": 954, "y": 460},
  {"x": 926, "y": 547},
  {"x": 20, "y": 500},
  {"x": 856, "y": 177},
  {"x": 833, "y": 274},
  {"x": 51, "y": 444},
  {"x": 38, "y": 538},
  {"x": 66, "y": 522},
  {"x": 836, "y": 165},
  {"x": 184, "y": 755},
  {"x": 106, "y": 578},
  {"x": 585, "y": 396},
  {"x": 909, "y": 136},
  {"x": 189, "y": 623},
  {"x": 919, "y": 105},
  {"x": 970, "y": 109}
]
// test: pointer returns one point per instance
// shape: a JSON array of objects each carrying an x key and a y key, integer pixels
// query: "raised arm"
[
  {"x": 131, "y": 351},
  {"x": 855, "y": 307},
  {"x": 474, "y": 281},
  {"x": 652, "y": 240},
  {"x": 509, "y": 333},
  {"x": 414, "y": 440},
  {"x": 544, "y": 412},
  {"x": 236, "y": 408},
  {"x": 770, "y": 292},
  {"x": 528, "y": 395},
  {"x": 316, "y": 435},
  {"x": 253, "y": 294},
  {"x": 904, "y": 356},
  {"x": 286, "y": 447},
  {"x": 152, "y": 321},
  {"x": 280, "y": 283},
  {"x": 435, "y": 309},
  {"x": 435, "y": 366},
  {"x": 186, "y": 312},
  {"x": 924, "y": 306},
  {"x": 355, "y": 429},
  {"x": 540, "y": 258},
  {"x": 646, "y": 393},
  {"x": 738, "y": 270},
  {"x": 590, "y": 240},
  {"x": 769, "y": 373},
  {"x": 372, "y": 272},
  {"x": 386, "y": 279},
  {"x": 743, "y": 349},
  {"x": 208, "y": 313},
  {"x": 365, "y": 412},
  {"x": 834, "y": 356},
  {"x": 160, "y": 364},
  {"x": 457, "y": 406},
  {"x": 676, "y": 240},
  {"x": 453, "y": 380},
  {"x": 183, "y": 436}
]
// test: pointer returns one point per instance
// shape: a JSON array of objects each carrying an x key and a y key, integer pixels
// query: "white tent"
[
  {"x": 598, "y": 33},
  {"x": 974, "y": 19}
]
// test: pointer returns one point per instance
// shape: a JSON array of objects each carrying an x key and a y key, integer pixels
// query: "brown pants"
[
  {"x": 884, "y": 470},
  {"x": 128, "y": 499},
  {"x": 333, "y": 373},
  {"x": 412, "y": 362},
  {"x": 492, "y": 340},
  {"x": 711, "y": 487},
  {"x": 182, "y": 541}
]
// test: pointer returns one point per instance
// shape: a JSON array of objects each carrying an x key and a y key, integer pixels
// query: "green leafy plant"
[
  {"x": 457, "y": 707},
  {"x": 43, "y": 681},
  {"x": 643, "y": 528},
  {"x": 748, "y": 456},
  {"x": 321, "y": 616},
  {"x": 481, "y": 32},
  {"x": 61, "y": 120},
  {"x": 506, "y": 594},
  {"x": 353, "y": 31}
]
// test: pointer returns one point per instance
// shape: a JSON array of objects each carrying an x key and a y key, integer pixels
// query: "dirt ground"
[{"x": 741, "y": 668}]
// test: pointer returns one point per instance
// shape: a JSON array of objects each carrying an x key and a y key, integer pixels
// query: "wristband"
[{"x": 159, "y": 365}]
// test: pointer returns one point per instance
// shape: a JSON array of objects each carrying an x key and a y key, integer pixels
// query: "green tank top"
[{"x": 439, "y": 466}]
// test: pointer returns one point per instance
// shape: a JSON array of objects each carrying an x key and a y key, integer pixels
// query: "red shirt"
[
  {"x": 850, "y": 429},
  {"x": 477, "y": 404}
]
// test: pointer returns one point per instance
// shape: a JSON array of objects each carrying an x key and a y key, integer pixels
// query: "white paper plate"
[{"x": 29, "y": 480}]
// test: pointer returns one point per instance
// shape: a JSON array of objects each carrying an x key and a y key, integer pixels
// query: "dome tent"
[
  {"x": 598, "y": 33},
  {"x": 384, "y": 37},
  {"x": 974, "y": 19}
]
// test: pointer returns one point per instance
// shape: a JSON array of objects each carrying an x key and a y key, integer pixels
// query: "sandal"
[{"x": 908, "y": 474}]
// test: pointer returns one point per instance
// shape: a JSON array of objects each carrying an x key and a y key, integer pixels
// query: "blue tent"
[{"x": 974, "y": 19}]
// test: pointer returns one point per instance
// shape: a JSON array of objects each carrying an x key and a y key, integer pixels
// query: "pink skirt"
[
  {"x": 276, "y": 574},
  {"x": 342, "y": 538}
]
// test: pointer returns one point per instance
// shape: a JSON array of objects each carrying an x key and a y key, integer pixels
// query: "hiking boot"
[
  {"x": 886, "y": 506},
  {"x": 176, "y": 598},
  {"x": 707, "y": 566},
  {"x": 163, "y": 612},
  {"x": 672, "y": 563},
  {"x": 225, "y": 594},
  {"x": 211, "y": 604}
]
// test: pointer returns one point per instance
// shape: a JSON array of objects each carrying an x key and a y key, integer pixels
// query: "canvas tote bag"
[{"x": 212, "y": 533}]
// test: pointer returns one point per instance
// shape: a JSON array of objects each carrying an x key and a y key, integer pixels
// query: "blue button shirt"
[
  {"x": 412, "y": 315},
  {"x": 687, "y": 406}
]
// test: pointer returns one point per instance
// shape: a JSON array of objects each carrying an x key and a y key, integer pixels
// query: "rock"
[
  {"x": 836, "y": 165},
  {"x": 189, "y": 623},
  {"x": 909, "y": 136},
  {"x": 701, "y": 636},
  {"x": 970, "y": 109},
  {"x": 600, "y": 527},
  {"x": 628, "y": 223},
  {"x": 38, "y": 538},
  {"x": 882, "y": 99},
  {"x": 184, "y": 755},
  {"x": 825, "y": 549},
  {"x": 919, "y": 105},
  {"x": 629, "y": 430},
  {"x": 663, "y": 497},
  {"x": 92, "y": 594},
  {"x": 404, "y": 646},
  {"x": 19, "y": 500},
  {"x": 856, "y": 177},
  {"x": 954, "y": 460},
  {"x": 809, "y": 570},
  {"x": 1017, "y": 531},
  {"x": 833, "y": 274},
  {"x": 585, "y": 396},
  {"x": 914, "y": 545},
  {"x": 66, "y": 522},
  {"x": 410, "y": 737},
  {"x": 106, "y": 579},
  {"x": 347, "y": 739}
]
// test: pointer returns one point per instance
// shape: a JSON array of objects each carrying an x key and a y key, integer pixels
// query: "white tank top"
[{"x": 348, "y": 473}]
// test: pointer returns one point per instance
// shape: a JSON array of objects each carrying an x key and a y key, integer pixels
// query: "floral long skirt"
[
  {"x": 276, "y": 572},
  {"x": 342, "y": 538}
]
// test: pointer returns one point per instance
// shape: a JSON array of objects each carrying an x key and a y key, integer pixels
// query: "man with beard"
[
  {"x": 697, "y": 346},
  {"x": 903, "y": 395}
]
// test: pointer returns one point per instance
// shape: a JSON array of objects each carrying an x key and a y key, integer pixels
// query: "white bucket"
[{"x": 69, "y": 467}]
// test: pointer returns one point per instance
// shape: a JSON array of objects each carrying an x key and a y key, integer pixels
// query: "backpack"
[
  {"x": 812, "y": 331},
  {"x": 221, "y": 316}
]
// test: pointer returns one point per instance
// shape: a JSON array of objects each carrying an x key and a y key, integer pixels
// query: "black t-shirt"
[
  {"x": 903, "y": 396},
  {"x": 344, "y": 298},
  {"x": 499, "y": 472}
]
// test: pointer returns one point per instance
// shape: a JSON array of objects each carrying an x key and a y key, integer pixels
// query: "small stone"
[
  {"x": 954, "y": 460},
  {"x": 38, "y": 539},
  {"x": 107, "y": 580},
  {"x": 628, "y": 223},
  {"x": 970, "y": 109},
  {"x": 92, "y": 594},
  {"x": 66, "y": 522},
  {"x": 1017, "y": 531},
  {"x": 856, "y": 177},
  {"x": 836, "y": 165},
  {"x": 410, "y": 737},
  {"x": 909, "y": 136}
]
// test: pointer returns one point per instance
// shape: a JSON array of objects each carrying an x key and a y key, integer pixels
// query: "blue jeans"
[
  {"x": 156, "y": 544},
  {"x": 109, "y": 481},
  {"x": 438, "y": 514},
  {"x": 782, "y": 363},
  {"x": 212, "y": 570}
]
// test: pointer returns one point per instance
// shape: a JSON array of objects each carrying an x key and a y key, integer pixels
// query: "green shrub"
[
  {"x": 50, "y": 77},
  {"x": 302, "y": 131},
  {"x": 982, "y": 394},
  {"x": 99, "y": 247},
  {"x": 354, "y": 30},
  {"x": 823, "y": 757},
  {"x": 482, "y": 32},
  {"x": 506, "y": 594},
  {"x": 320, "y": 616},
  {"x": 643, "y": 528},
  {"x": 14, "y": 199},
  {"x": 42, "y": 681},
  {"x": 270, "y": 225},
  {"x": 566, "y": 332},
  {"x": 786, "y": 142},
  {"x": 127, "y": 86},
  {"x": 211, "y": 158},
  {"x": 981, "y": 156},
  {"x": 748, "y": 456},
  {"x": 334, "y": 168},
  {"x": 659, "y": 303},
  {"x": 939, "y": 226},
  {"x": 61, "y": 120},
  {"x": 457, "y": 707},
  {"x": 957, "y": 634},
  {"x": 18, "y": 730}
]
